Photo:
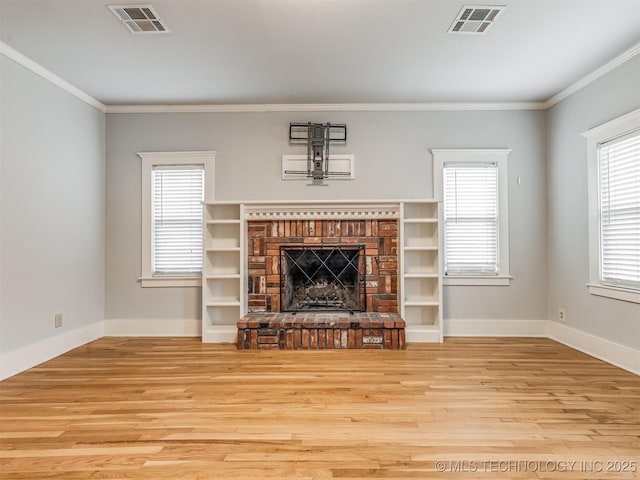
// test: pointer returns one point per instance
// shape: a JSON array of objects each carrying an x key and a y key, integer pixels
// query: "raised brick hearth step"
[{"x": 312, "y": 331}]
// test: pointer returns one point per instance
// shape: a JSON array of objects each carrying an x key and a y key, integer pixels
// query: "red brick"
[
  {"x": 358, "y": 340},
  {"x": 344, "y": 338},
  {"x": 395, "y": 343},
  {"x": 331, "y": 240},
  {"x": 267, "y": 339},
  {"x": 352, "y": 338},
  {"x": 333, "y": 337}
]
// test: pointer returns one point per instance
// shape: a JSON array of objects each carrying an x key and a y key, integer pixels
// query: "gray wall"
[
  {"x": 392, "y": 161},
  {"x": 52, "y": 203},
  {"x": 613, "y": 95}
]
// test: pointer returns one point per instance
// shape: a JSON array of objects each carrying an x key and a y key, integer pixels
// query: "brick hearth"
[{"x": 313, "y": 331}]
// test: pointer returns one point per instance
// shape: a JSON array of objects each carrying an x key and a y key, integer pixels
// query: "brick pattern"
[
  {"x": 318, "y": 331},
  {"x": 380, "y": 238}
]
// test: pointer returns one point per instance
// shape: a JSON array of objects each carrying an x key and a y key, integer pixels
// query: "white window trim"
[
  {"x": 149, "y": 159},
  {"x": 595, "y": 136},
  {"x": 499, "y": 156}
]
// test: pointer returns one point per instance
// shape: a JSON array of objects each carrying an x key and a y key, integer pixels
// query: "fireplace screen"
[{"x": 329, "y": 277}]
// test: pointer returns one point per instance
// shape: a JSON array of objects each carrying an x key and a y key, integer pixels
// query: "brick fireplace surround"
[{"x": 267, "y": 327}]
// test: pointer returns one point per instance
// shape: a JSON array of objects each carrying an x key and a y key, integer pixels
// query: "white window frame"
[
  {"x": 149, "y": 160},
  {"x": 499, "y": 157},
  {"x": 595, "y": 136}
]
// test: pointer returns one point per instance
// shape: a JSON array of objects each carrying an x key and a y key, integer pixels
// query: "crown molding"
[
  {"x": 593, "y": 76},
  {"x": 35, "y": 67},
  {"x": 324, "y": 107},
  {"x": 38, "y": 69}
]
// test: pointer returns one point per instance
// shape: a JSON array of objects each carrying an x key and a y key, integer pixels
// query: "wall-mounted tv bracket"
[{"x": 318, "y": 137}]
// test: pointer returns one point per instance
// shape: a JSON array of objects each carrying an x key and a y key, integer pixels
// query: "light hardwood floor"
[{"x": 174, "y": 408}]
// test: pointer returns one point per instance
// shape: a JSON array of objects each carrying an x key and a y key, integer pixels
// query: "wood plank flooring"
[{"x": 174, "y": 408}]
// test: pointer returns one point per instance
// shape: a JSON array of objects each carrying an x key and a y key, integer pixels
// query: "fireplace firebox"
[{"x": 323, "y": 278}]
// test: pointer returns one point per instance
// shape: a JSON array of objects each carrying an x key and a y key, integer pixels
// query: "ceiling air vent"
[
  {"x": 472, "y": 19},
  {"x": 139, "y": 18}
]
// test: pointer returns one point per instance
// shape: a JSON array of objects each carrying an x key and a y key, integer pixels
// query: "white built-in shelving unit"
[
  {"x": 224, "y": 289},
  {"x": 223, "y": 295},
  {"x": 420, "y": 270}
]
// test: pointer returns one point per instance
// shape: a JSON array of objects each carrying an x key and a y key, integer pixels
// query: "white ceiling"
[{"x": 321, "y": 51}]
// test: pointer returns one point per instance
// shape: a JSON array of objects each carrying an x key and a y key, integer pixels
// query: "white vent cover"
[
  {"x": 475, "y": 19},
  {"x": 139, "y": 18}
]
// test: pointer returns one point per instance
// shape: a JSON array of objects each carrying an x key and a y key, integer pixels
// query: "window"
[
  {"x": 473, "y": 187},
  {"x": 614, "y": 208},
  {"x": 174, "y": 185},
  {"x": 177, "y": 192}
]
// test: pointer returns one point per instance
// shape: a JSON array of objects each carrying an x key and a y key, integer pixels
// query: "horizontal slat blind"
[
  {"x": 471, "y": 218},
  {"x": 620, "y": 210},
  {"x": 178, "y": 192}
]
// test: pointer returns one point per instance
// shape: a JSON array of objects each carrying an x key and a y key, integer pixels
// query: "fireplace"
[
  {"x": 322, "y": 278},
  {"x": 374, "y": 240},
  {"x": 322, "y": 282}
]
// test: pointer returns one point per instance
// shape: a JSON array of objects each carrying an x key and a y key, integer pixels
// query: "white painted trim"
[
  {"x": 148, "y": 161},
  {"x": 494, "y": 328},
  {"x": 326, "y": 107},
  {"x": 38, "y": 69},
  {"x": 593, "y": 76},
  {"x": 277, "y": 203},
  {"x": 621, "y": 356},
  {"x": 613, "y": 128},
  {"x": 220, "y": 334},
  {"x": 467, "y": 280},
  {"x": 14, "y": 362},
  {"x": 618, "y": 293},
  {"x": 500, "y": 157},
  {"x": 321, "y": 211},
  {"x": 29, "y": 356},
  {"x": 170, "y": 281},
  {"x": 594, "y": 137},
  {"x": 26, "y": 62},
  {"x": 145, "y": 327},
  {"x": 423, "y": 334}
]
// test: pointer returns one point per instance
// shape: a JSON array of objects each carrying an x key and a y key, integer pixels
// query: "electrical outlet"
[
  {"x": 562, "y": 315},
  {"x": 58, "y": 320}
]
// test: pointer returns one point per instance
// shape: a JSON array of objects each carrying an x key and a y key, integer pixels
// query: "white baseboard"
[
  {"x": 220, "y": 334},
  {"x": 495, "y": 328},
  {"x": 621, "y": 356},
  {"x": 144, "y": 327},
  {"x": 29, "y": 356}
]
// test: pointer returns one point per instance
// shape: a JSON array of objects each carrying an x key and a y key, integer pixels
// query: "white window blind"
[
  {"x": 619, "y": 162},
  {"x": 471, "y": 218},
  {"x": 177, "y": 195}
]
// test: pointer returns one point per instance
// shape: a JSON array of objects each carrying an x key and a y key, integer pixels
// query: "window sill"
[
  {"x": 493, "y": 280},
  {"x": 170, "y": 281},
  {"x": 624, "y": 294}
]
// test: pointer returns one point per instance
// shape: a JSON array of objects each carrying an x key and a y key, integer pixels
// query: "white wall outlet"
[
  {"x": 562, "y": 315},
  {"x": 58, "y": 320}
]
